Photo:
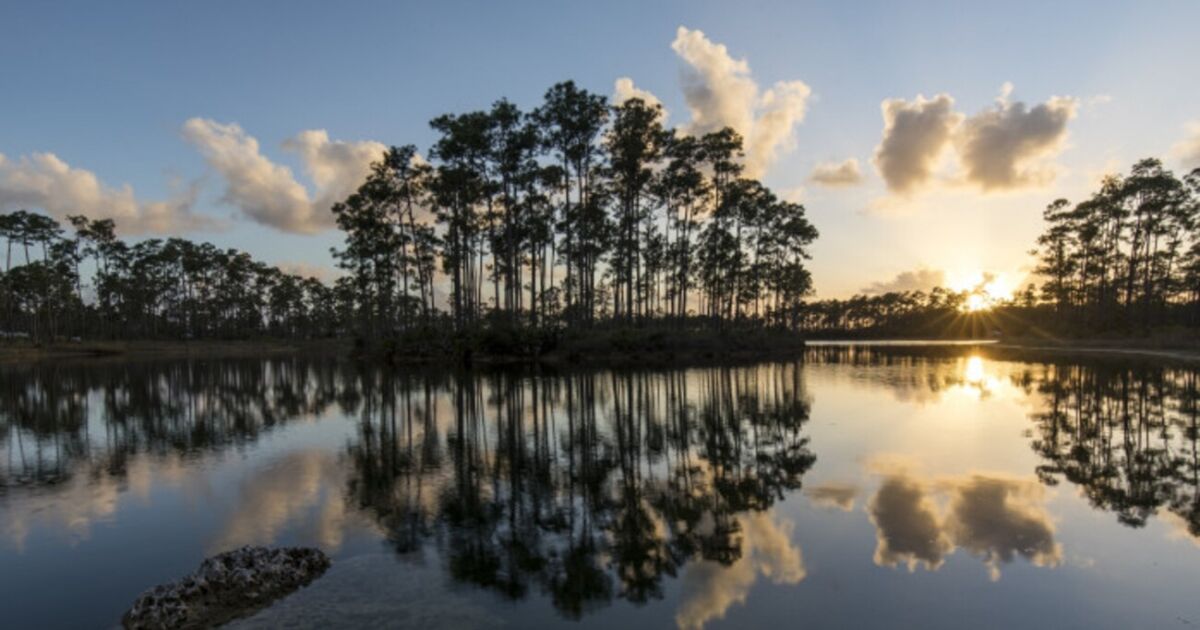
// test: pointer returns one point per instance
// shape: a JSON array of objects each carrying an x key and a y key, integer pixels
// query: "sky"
[{"x": 923, "y": 139}]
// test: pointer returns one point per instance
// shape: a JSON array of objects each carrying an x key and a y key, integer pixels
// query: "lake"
[{"x": 856, "y": 486}]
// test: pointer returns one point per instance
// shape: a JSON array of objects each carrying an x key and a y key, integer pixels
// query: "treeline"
[
  {"x": 577, "y": 212},
  {"x": 152, "y": 289},
  {"x": 937, "y": 313}
]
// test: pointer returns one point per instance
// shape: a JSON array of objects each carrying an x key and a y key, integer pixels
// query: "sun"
[
  {"x": 984, "y": 290},
  {"x": 976, "y": 302}
]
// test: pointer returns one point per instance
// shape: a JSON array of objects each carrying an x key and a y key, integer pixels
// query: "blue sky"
[{"x": 107, "y": 87}]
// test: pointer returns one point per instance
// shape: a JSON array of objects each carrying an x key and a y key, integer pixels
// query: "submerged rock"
[{"x": 225, "y": 587}]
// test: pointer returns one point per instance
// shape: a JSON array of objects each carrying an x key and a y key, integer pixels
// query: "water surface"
[{"x": 854, "y": 487}]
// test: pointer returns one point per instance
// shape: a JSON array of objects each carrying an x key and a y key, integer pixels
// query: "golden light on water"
[{"x": 974, "y": 373}]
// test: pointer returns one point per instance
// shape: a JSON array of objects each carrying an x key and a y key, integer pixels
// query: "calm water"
[{"x": 857, "y": 487}]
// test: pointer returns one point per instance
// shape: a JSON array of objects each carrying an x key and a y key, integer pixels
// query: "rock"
[{"x": 225, "y": 587}]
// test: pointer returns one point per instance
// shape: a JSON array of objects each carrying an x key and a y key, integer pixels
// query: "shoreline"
[
  {"x": 170, "y": 349},
  {"x": 1182, "y": 355},
  {"x": 733, "y": 350}
]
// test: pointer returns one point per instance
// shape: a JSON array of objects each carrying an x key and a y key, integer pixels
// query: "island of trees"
[{"x": 584, "y": 220}]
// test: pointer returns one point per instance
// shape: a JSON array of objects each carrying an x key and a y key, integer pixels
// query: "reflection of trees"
[
  {"x": 1126, "y": 435},
  {"x": 910, "y": 373},
  {"x": 585, "y": 486},
  {"x": 59, "y": 419}
]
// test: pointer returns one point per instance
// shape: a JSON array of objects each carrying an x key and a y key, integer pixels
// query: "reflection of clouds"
[
  {"x": 71, "y": 507},
  {"x": 833, "y": 494},
  {"x": 991, "y": 517},
  {"x": 83, "y": 499},
  {"x": 907, "y": 526},
  {"x": 709, "y": 588},
  {"x": 998, "y": 519},
  {"x": 1180, "y": 528},
  {"x": 287, "y": 492}
]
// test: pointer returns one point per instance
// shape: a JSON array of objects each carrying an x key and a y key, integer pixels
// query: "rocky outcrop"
[{"x": 226, "y": 586}]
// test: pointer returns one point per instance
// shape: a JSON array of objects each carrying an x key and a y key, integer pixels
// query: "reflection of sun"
[{"x": 974, "y": 373}]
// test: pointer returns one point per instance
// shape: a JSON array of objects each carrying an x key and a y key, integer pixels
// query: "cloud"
[
  {"x": 337, "y": 167},
  {"x": 720, "y": 92},
  {"x": 915, "y": 134},
  {"x": 915, "y": 280},
  {"x": 999, "y": 147},
  {"x": 624, "y": 89},
  {"x": 267, "y": 192},
  {"x": 994, "y": 518},
  {"x": 1187, "y": 151},
  {"x": 710, "y": 588},
  {"x": 46, "y": 182},
  {"x": 834, "y": 495},
  {"x": 837, "y": 174}
]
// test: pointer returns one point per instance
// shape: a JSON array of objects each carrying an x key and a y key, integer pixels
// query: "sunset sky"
[{"x": 923, "y": 138}]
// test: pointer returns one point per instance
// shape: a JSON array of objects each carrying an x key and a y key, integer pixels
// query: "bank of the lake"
[{"x": 18, "y": 351}]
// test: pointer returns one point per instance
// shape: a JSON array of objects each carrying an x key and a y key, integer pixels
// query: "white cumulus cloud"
[
  {"x": 915, "y": 133},
  {"x": 624, "y": 89},
  {"x": 1006, "y": 146},
  {"x": 46, "y": 182},
  {"x": 1000, "y": 147},
  {"x": 720, "y": 92},
  {"x": 267, "y": 192}
]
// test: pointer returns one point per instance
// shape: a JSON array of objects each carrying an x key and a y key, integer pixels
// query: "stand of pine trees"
[{"x": 576, "y": 214}]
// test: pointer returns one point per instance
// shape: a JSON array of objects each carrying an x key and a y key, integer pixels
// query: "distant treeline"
[
  {"x": 1124, "y": 261},
  {"x": 155, "y": 288},
  {"x": 934, "y": 314}
]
